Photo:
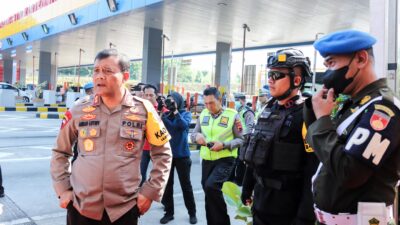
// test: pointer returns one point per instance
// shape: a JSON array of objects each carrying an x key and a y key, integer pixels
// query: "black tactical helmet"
[{"x": 290, "y": 58}]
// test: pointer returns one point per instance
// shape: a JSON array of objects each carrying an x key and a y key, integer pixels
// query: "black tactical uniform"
[
  {"x": 357, "y": 168},
  {"x": 279, "y": 166}
]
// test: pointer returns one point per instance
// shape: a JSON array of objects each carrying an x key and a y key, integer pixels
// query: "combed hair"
[
  {"x": 123, "y": 60},
  {"x": 212, "y": 91},
  {"x": 150, "y": 86}
]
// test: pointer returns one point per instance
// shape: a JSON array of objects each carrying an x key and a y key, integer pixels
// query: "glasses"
[
  {"x": 276, "y": 75},
  {"x": 105, "y": 71}
]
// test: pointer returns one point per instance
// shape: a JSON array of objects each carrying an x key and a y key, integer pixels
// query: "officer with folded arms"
[{"x": 359, "y": 147}]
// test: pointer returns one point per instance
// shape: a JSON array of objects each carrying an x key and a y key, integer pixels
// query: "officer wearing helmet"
[
  {"x": 279, "y": 166},
  {"x": 359, "y": 147}
]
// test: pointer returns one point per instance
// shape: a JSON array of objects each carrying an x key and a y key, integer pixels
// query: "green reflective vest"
[{"x": 219, "y": 129}]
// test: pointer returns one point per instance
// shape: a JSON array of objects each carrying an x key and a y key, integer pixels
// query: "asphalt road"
[{"x": 25, "y": 150}]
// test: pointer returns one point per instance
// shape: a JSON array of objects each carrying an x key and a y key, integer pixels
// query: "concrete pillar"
[
  {"x": 8, "y": 70},
  {"x": 383, "y": 25},
  {"x": 151, "y": 67},
  {"x": 45, "y": 68},
  {"x": 223, "y": 66}
]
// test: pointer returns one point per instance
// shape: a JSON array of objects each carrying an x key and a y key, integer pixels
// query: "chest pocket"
[
  {"x": 88, "y": 141},
  {"x": 131, "y": 140}
]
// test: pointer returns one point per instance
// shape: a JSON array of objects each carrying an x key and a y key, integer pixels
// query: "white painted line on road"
[
  {"x": 25, "y": 159},
  {"x": 49, "y": 216},
  {"x": 5, "y": 154},
  {"x": 18, "y": 221}
]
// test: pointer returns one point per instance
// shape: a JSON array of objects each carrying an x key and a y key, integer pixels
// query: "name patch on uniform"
[
  {"x": 88, "y": 117},
  {"x": 88, "y": 123},
  {"x": 205, "y": 121},
  {"x": 126, "y": 123},
  {"x": 224, "y": 121}
]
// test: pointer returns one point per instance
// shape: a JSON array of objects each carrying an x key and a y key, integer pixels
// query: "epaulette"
[
  {"x": 83, "y": 100},
  {"x": 388, "y": 95}
]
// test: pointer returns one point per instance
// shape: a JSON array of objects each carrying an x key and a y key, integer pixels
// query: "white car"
[{"x": 26, "y": 97}]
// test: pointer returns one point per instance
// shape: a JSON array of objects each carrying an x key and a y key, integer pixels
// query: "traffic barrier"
[
  {"x": 50, "y": 115},
  {"x": 33, "y": 109},
  {"x": 45, "y": 105}
]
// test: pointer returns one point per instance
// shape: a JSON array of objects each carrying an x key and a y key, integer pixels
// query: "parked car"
[{"x": 26, "y": 97}]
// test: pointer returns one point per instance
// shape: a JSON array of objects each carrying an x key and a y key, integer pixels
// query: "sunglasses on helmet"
[{"x": 276, "y": 75}]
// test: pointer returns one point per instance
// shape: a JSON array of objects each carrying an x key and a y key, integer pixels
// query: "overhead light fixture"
[
  {"x": 112, "y": 5},
  {"x": 25, "y": 36},
  {"x": 72, "y": 19},
  {"x": 45, "y": 28},
  {"x": 9, "y": 41}
]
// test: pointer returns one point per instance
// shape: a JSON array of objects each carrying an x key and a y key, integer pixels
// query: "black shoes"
[
  {"x": 166, "y": 218},
  {"x": 193, "y": 219}
]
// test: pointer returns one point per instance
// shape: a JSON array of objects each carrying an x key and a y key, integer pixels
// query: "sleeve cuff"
[
  {"x": 62, "y": 186},
  {"x": 150, "y": 193}
]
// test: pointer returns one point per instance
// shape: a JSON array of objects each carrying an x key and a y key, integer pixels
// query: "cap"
[
  {"x": 240, "y": 96},
  {"x": 263, "y": 92},
  {"x": 344, "y": 42},
  {"x": 88, "y": 85}
]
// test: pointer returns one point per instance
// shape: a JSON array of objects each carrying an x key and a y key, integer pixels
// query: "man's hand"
[
  {"x": 143, "y": 204},
  {"x": 200, "y": 139},
  {"x": 323, "y": 106},
  {"x": 65, "y": 198},
  {"x": 218, "y": 146}
]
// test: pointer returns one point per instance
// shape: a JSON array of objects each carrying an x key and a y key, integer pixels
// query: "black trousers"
[
  {"x": 75, "y": 218},
  {"x": 214, "y": 174},
  {"x": 1, "y": 182},
  {"x": 182, "y": 166},
  {"x": 144, "y": 165}
]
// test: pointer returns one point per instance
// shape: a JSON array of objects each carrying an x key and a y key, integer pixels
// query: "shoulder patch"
[
  {"x": 307, "y": 147},
  {"x": 66, "y": 119}
]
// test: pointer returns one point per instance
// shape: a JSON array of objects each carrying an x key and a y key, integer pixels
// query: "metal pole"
[
  {"x": 79, "y": 67},
  {"x": 56, "y": 75},
  {"x": 245, "y": 28},
  {"x": 33, "y": 70},
  {"x": 315, "y": 65},
  {"x": 163, "y": 36}
]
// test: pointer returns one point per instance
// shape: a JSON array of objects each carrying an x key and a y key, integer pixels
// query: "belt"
[
  {"x": 332, "y": 219},
  {"x": 343, "y": 218}
]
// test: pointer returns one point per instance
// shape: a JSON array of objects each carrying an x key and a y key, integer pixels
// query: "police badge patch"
[
  {"x": 379, "y": 120},
  {"x": 224, "y": 121}
]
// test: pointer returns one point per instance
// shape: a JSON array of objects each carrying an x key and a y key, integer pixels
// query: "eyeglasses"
[
  {"x": 105, "y": 71},
  {"x": 276, "y": 75}
]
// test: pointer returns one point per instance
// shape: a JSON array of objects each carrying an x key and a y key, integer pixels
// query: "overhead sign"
[
  {"x": 40, "y": 12},
  {"x": 28, "y": 49},
  {"x": 13, "y": 53}
]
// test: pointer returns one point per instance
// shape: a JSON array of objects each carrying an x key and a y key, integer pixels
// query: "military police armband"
[{"x": 373, "y": 138}]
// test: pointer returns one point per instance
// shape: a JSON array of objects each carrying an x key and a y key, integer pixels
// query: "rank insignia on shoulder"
[
  {"x": 365, "y": 99},
  {"x": 379, "y": 120},
  {"x": 88, "y": 145},
  {"x": 67, "y": 118},
  {"x": 129, "y": 146},
  {"x": 88, "y": 109},
  {"x": 88, "y": 116}
]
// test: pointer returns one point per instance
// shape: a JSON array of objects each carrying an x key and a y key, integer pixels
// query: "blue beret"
[
  {"x": 344, "y": 42},
  {"x": 88, "y": 85}
]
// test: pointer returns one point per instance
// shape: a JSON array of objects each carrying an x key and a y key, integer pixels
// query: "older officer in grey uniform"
[
  {"x": 110, "y": 127},
  {"x": 359, "y": 148}
]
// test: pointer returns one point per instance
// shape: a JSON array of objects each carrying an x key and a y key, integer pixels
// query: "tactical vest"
[
  {"x": 263, "y": 147},
  {"x": 219, "y": 129}
]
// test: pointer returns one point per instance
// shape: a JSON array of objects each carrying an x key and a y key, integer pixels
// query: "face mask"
[
  {"x": 336, "y": 79},
  {"x": 237, "y": 105}
]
